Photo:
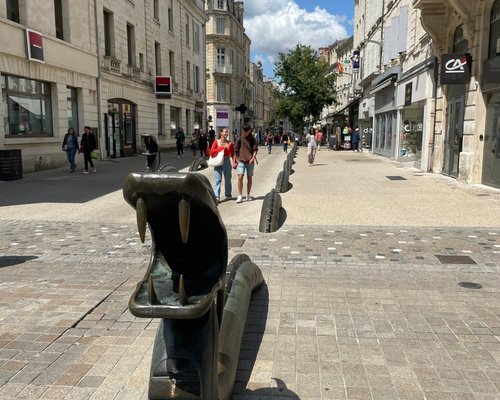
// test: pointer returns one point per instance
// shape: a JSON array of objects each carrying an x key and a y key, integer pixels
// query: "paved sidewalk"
[{"x": 352, "y": 308}]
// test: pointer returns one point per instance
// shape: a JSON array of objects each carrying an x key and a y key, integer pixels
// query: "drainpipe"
[
  {"x": 433, "y": 107},
  {"x": 102, "y": 145}
]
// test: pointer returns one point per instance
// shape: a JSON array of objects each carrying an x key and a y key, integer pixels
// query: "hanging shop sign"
[
  {"x": 455, "y": 69},
  {"x": 163, "y": 86},
  {"x": 34, "y": 42},
  {"x": 355, "y": 61},
  {"x": 408, "y": 91}
]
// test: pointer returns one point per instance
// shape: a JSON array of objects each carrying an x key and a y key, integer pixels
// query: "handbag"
[
  {"x": 94, "y": 154},
  {"x": 65, "y": 147},
  {"x": 216, "y": 161}
]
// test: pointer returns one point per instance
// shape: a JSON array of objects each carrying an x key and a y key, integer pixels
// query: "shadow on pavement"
[
  {"x": 281, "y": 391},
  {"x": 8, "y": 261},
  {"x": 61, "y": 186}
]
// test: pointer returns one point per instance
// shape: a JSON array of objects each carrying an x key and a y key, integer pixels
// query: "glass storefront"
[
  {"x": 384, "y": 133},
  {"x": 27, "y": 107},
  {"x": 411, "y": 134},
  {"x": 491, "y": 156},
  {"x": 119, "y": 128}
]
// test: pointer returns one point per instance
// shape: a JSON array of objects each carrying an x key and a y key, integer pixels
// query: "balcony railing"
[
  {"x": 223, "y": 68},
  {"x": 111, "y": 64},
  {"x": 133, "y": 71}
]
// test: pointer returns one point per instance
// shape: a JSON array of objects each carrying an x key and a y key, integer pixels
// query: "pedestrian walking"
[
  {"x": 225, "y": 145},
  {"x": 194, "y": 144},
  {"x": 355, "y": 140},
  {"x": 179, "y": 142},
  {"x": 246, "y": 155},
  {"x": 269, "y": 141},
  {"x": 70, "y": 146},
  {"x": 285, "y": 141},
  {"x": 203, "y": 143},
  {"x": 211, "y": 136},
  {"x": 319, "y": 140},
  {"x": 88, "y": 144},
  {"x": 311, "y": 146}
]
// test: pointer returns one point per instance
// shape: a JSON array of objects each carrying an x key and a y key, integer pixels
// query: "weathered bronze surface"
[{"x": 201, "y": 300}]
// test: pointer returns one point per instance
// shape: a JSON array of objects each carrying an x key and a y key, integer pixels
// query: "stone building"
[
  {"x": 431, "y": 95},
  {"x": 345, "y": 111},
  {"x": 228, "y": 62},
  {"x": 466, "y": 127},
  {"x": 98, "y": 68}
]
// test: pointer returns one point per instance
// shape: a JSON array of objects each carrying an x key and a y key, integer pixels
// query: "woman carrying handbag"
[{"x": 228, "y": 163}]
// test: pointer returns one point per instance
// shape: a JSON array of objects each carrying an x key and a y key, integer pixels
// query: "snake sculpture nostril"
[{"x": 186, "y": 285}]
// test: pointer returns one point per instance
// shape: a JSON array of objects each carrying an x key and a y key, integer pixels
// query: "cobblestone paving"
[{"x": 345, "y": 313}]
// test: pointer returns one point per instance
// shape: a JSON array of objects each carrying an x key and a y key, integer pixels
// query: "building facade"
[
  {"x": 100, "y": 61},
  {"x": 228, "y": 65},
  {"x": 336, "y": 117},
  {"x": 466, "y": 128}
]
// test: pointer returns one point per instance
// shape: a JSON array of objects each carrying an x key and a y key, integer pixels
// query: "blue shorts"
[{"x": 242, "y": 167}]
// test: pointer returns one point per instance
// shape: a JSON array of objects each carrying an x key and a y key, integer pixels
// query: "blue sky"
[{"x": 278, "y": 25}]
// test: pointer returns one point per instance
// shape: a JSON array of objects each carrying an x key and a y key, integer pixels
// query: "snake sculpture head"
[{"x": 189, "y": 286}]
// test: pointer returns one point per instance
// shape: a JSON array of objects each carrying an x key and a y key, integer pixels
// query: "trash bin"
[{"x": 11, "y": 165}]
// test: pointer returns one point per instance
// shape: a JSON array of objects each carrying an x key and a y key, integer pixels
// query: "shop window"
[
  {"x": 491, "y": 159},
  {"x": 494, "y": 48},
  {"x": 13, "y": 10},
  {"x": 174, "y": 120},
  {"x": 72, "y": 102},
  {"x": 27, "y": 107}
]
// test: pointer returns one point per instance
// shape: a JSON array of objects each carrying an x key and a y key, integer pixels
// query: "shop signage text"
[{"x": 455, "y": 69}]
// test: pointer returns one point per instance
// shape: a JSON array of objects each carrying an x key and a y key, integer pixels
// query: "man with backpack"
[{"x": 246, "y": 156}]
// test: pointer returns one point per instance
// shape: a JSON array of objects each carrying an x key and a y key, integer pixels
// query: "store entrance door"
[
  {"x": 119, "y": 128},
  {"x": 454, "y": 136}
]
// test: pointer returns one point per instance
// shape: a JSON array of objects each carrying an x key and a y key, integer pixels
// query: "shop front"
[
  {"x": 365, "y": 121},
  {"x": 491, "y": 85},
  {"x": 415, "y": 92},
  {"x": 385, "y": 126},
  {"x": 119, "y": 128}
]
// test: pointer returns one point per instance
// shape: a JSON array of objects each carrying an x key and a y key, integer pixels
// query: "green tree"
[{"x": 305, "y": 85}]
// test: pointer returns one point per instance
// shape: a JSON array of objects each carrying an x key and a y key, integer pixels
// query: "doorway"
[
  {"x": 454, "y": 136},
  {"x": 119, "y": 128}
]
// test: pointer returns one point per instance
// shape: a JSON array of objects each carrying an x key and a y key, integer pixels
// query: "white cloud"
[{"x": 276, "y": 26}]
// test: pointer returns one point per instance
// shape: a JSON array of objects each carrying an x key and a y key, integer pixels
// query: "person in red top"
[
  {"x": 223, "y": 144},
  {"x": 319, "y": 139}
]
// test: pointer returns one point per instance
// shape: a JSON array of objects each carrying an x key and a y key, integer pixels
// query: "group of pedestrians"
[
  {"x": 87, "y": 145},
  {"x": 241, "y": 155},
  {"x": 271, "y": 139}
]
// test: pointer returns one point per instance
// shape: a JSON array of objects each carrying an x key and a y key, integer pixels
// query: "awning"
[
  {"x": 383, "y": 85},
  {"x": 349, "y": 105}
]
